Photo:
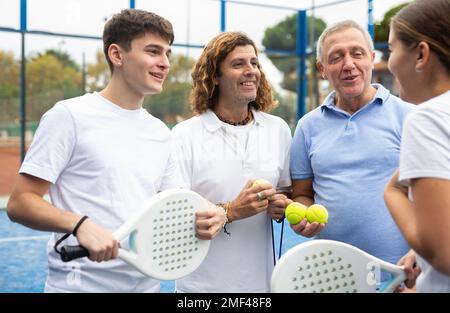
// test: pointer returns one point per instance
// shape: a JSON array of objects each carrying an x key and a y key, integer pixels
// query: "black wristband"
[{"x": 74, "y": 232}]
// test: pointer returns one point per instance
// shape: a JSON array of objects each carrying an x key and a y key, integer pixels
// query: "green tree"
[
  {"x": 9, "y": 88},
  {"x": 49, "y": 79},
  {"x": 98, "y": 73},
  {"x": 180, "y": 68},
  {"x": 63, "y": 57},
  {"x": 282, "y": 36},
  {"x": 286, "y": 108},
  {"x": 9, "y": 75},
  {"x": 382, "y": 28}
]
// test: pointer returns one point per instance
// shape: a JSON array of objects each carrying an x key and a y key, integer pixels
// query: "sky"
[{"x": 194, "y": 21}]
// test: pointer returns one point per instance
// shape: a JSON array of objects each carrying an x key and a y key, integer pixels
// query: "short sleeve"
[
  {"x": 172, "y": 177},
  {"x": 425, "y": 147},
  {"x": 52, "y": 145},
  {"x": 300, "y": 161}
]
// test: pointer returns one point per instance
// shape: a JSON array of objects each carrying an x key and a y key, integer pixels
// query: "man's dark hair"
[{"x": 130, "y": 24}]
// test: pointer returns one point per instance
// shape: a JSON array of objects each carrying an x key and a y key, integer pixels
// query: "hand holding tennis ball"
[
  {"x": 260, "y": 181},
  {"x": 295, "y": 212},
  {"x": 317, "y": 213}
]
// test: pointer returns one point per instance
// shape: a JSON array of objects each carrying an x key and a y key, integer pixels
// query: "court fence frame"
[{"x": 301, "y": 51}]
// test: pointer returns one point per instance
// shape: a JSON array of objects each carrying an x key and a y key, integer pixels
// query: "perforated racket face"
[
  {"x": 315, "y": 267},
  {"x": 165, "y": 240}
]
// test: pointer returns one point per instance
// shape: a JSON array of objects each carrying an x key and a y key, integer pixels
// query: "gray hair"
[{"x": 339, "y": 27}]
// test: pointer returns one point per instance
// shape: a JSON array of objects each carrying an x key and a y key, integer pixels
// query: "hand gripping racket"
[
  {"x": 162, "y": 237},
  {"x": 332, "y": 266}
]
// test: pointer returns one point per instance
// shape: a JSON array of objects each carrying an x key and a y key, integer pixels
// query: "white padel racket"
[
  {"x": 161, "y": 237},
  {"x": 326, "y": 266}
]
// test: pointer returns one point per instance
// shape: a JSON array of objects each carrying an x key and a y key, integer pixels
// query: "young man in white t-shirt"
[{"x": 101, "y": 155}]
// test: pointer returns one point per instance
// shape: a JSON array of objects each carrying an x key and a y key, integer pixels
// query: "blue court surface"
[{"x": 23, "y": 262}]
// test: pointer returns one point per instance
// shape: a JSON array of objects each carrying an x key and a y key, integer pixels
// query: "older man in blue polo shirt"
[{"x": 345, "y": 151}]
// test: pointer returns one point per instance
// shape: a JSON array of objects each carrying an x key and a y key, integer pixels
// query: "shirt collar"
[
  {"x": 380, "y": 97},
  {"x": 212, "y": 122}
]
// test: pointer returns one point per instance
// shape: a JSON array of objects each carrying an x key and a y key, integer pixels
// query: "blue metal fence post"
[
  {"x": 301, "y": 41},
  {"x": 371, "y": 25},
  {"x": 23, "y": 115},
  {"x": 222, "y": 15}
]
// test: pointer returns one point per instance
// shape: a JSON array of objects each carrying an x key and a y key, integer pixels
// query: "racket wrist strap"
[
  {"x": 75, "y": 229},
  {"x": 74, "y": 232},
  {"x": 58, "y": 242}
]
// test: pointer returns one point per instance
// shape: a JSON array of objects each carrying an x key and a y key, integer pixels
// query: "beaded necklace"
[{"x": 240, "y": 123}]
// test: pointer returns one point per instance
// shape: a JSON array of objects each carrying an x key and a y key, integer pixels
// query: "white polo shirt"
[{"x": 216, "y": 160}]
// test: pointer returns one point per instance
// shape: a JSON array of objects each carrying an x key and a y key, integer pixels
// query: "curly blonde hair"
[{"x": 204, "y": 94}]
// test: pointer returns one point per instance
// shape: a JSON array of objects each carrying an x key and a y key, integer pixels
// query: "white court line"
[{"x": 24, "y": 238}]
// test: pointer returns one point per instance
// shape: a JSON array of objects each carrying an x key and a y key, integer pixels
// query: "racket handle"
[{"x": 69, "y": 253}]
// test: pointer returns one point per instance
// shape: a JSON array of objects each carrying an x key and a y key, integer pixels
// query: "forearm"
[
  {"x": 439, "y": 259},
  {"x": 435, "y": 251},
  {"x": 33, "y": 211},
  {"x": 431, "y": 204},
  {"x": 305, "y": 200},
  {"x": 403, "y": 214},
  {"x": 303, "y": 192},
  {"x": 238, "y": 210}
]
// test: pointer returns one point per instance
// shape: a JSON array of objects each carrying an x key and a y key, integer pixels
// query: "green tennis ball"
[
  {"x": 317, "y": 213},
  {"x": 260, "y": 181},
  {"x": 295, "y": 212}
]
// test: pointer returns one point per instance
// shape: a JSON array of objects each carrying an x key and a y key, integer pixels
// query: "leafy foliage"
[
  {"x": 282, "y": 36},
  {"x": 9, "y": 75},
  {"x": 382, "y": 28},
  {"x": 98, "y": 73},
  {"x": 48, "y": 80}
]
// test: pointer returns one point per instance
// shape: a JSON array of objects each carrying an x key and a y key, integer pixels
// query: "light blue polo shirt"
[{"x": 350, "y": 159}]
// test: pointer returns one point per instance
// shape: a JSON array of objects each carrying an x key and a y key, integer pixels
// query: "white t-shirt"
[
  {"x": 425, "y": 152},
  {"x": 104, "y": 162},
  {"x": 216, "y": 160}
]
